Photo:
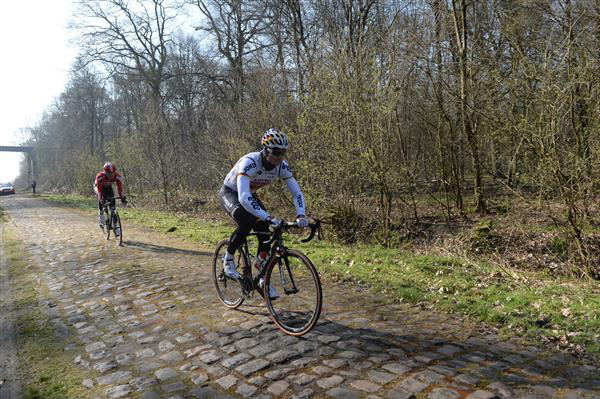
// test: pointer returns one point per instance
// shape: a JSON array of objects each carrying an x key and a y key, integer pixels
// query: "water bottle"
[{"x": 260, "y": 259}]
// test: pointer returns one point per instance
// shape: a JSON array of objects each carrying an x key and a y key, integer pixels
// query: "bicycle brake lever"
[{"x": 314, "y": 228}]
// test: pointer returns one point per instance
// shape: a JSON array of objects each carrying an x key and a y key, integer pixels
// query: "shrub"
[
  {"x": 559, "y": 245},
  {"x": 347, "y": 223},
  {"x": 483, "y": 237}
]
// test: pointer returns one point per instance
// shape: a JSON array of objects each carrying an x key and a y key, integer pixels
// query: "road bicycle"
[
  {"x": 297, "y": 309},
  {"x": 112, "y": 220}
]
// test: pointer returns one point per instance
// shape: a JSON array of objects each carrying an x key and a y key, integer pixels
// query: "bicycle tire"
[
  {"x": 118, "y": 238},
  {"x": 295, "y": 313},
  {"x": 107, "y": 223},
  {"x": 229, "y": 290}
]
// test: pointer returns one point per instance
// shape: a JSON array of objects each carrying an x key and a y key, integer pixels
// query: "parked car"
[{"x": 6, "y": 189}]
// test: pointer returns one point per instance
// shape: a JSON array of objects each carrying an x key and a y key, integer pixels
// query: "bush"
[
  {"x": 348, "y": 225},
  {"x": 483, "y": 238},
  {"x": 188, "y": 201},
  {"x": 502, "y": 208},
  {"x": 559, "y": 245},
  {"x": 85, "y": 168}
]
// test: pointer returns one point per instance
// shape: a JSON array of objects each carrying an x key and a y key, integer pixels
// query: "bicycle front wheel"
[
  {"x": 296, "y": 281},
  {"x": 229, "y": 290},
  {"x": 107, "y": 223},
  {"x": 117, "y": 228}
]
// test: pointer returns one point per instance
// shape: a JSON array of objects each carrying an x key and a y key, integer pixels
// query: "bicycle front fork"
[{"x": 286, "y": 277}]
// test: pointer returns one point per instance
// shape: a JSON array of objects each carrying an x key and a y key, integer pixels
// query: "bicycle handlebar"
[
  {"x": 315, "y": 228},
  {"x": 106, "y": 200}
]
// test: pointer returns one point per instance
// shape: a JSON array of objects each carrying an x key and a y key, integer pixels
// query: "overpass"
[{"x": 30, "y": 158}]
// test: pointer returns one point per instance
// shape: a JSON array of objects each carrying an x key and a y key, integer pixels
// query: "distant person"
[
  {"x": 33, "y": 185},
  {"x": 104, "y": 190}
]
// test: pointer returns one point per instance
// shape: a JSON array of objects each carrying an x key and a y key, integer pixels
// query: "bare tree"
[
  {"x": 132, "y": 37},
  {"x": 466, "y": 88},
  {"x": 237, "y": 27}
]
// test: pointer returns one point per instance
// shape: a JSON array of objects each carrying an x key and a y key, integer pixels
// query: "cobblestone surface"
[{"x": 148, "y": 324}]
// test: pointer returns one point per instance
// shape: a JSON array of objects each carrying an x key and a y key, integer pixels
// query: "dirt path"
[{"x": 149, "y": 325}]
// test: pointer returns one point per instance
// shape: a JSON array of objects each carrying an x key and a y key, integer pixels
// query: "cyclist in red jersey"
[{"x": 103, "y": 187}]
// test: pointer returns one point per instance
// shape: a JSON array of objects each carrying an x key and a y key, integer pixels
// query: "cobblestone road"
[{"x": 145, "y": 319}]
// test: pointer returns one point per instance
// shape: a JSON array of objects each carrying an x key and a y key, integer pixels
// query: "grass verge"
[
  {"x": 564, "y": 312},
  {"x": 46, "y": 369}
]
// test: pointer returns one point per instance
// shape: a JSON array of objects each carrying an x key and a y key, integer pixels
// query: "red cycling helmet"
[{"x": 110, "y": 168}]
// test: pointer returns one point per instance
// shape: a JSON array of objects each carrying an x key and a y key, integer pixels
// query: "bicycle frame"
[
  {"x": 297, "y": 312},
  {"x": 112, "y": 221},
  {"x": 111, "y": 207},
  {"x": 278, "y": 251},
  {"x": 249, "y": 281}
]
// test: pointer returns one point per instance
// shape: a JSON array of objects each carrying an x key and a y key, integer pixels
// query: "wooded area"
[{"x": 386, "y": 102}]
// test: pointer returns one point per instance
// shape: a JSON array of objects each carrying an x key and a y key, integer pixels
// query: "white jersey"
[
  {"x": 249, "y": 174},
  {"x": 251, "y": 165}
]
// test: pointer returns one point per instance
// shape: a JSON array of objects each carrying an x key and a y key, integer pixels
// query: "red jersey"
[{"x": 103, "y": 181}]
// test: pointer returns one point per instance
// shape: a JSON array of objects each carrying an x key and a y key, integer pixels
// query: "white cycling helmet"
[{"x": 275, "y": 139}]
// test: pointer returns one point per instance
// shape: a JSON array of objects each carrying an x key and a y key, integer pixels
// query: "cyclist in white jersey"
[{"x": 238, "y": 196}]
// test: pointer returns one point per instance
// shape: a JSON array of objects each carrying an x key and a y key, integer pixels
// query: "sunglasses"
[{"x": 278, "y": 152}]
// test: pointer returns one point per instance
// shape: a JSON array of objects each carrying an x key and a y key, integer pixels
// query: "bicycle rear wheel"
[
  {"x": 297, "y": 282},
  {"x": 229, "y": 290}
]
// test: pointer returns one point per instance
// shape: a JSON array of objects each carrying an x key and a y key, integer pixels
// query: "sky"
[{"x": 36, "y": 57}]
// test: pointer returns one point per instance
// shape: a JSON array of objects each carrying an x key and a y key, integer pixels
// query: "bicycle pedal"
[{"x": 247, "y": 287}]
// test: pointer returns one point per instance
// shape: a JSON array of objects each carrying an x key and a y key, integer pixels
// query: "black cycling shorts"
[{"x": 230, "y": 202}]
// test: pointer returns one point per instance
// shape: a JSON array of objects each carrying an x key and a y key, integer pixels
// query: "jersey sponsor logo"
[
  {"x": 287, "y": 167},
  {"x": 300, "y": 202},
  {"x": 253, "y": 202},
  {"x": 249, "y": 167}
]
